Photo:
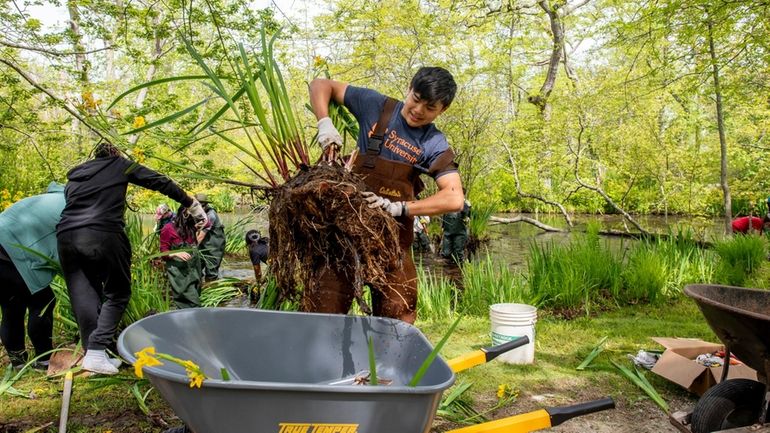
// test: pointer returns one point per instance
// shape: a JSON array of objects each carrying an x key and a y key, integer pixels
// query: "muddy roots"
[{"x": 318, "y": 221}]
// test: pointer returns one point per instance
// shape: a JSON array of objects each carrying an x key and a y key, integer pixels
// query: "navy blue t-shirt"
[{"x": 417, "y": 146}]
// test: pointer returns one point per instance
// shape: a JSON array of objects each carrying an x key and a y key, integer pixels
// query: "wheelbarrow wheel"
[{"x": 730, "y": 404}]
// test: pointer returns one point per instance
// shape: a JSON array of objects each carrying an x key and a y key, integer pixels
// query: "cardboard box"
[{"x": 678, "y": 365}]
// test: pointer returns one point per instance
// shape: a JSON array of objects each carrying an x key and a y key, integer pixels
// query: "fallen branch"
[
  {"x": 596, "y": 188},
  {"x": 523, "y": 219},
  {"x": 610, "y": 232}
]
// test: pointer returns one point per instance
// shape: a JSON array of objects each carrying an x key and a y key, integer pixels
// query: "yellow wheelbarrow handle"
[
  {"x": 539, "y": 419},
  {"x": 481, "y": 356}
]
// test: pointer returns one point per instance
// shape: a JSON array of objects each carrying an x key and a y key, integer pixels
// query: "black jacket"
[
  {"x": 259, "y": 250},
  {"x": 96, "y": 192}
]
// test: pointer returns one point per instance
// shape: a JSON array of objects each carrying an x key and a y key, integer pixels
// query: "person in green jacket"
[
  {"x": 211, "y": 240},
  {"x": 183, "y": 261},
  {"x": 25, "y": 276},
  {"x": 455, "y": 225}
]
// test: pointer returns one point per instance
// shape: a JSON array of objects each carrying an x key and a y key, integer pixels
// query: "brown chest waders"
[{"x": 397, "y": 181}]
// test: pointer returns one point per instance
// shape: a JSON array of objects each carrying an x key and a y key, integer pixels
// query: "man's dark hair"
[
  {"x": 105, "y": 149},
  {"x": 434, "y": 84}
]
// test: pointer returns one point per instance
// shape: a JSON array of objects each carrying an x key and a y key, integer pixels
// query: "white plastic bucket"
[{"x": 511, "y": 321}]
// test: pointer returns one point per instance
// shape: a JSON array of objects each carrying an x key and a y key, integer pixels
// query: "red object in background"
[{"x": 741, "y": 225}]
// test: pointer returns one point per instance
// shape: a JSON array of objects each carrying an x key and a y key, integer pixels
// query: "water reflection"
[{"x": 508, "y": 243}]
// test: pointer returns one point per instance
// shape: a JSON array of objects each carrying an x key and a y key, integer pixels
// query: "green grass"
[
  {"x": 644, "y": 277},
  {"x": 436, "y": 297},
  {"x": 739, "y": 257},
  {"x": 479, "y": 219},
  {"x": 577, "y": 275},
  {"x": 235, "y": 241},
  {"x": 220, "y": 291},
  {"x": 487, "y": 282},
  {"x": 560, "y": 347}
]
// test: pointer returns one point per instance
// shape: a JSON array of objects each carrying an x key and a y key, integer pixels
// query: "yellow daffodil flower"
[
  {"x": 145, "y": 358},
  {"x": 138, "y": 122}
]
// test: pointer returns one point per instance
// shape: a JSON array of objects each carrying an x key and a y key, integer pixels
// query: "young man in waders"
[{"x": 397, "y": 142}]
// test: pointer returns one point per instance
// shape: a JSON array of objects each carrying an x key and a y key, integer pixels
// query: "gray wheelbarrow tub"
[{"x": 280, "y": 364}]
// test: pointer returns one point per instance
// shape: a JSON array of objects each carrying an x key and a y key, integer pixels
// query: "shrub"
[
  {"x": 739, "y": 257},
  {"x": 487, "y": 282}
]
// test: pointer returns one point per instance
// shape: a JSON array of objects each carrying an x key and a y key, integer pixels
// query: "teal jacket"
[{"x": 31, "y": 223}]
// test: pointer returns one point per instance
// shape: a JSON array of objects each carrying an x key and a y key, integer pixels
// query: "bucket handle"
[{"x": 481, "y": 356}]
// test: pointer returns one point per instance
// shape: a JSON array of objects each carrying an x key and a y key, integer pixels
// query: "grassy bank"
[
  {"x": 586, "y": 275},
  {"x": 627, "y": 295},
  {"x": 100, "y": 405}
]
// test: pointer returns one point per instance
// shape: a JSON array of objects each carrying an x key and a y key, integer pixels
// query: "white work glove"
[
  {"x": 395, "y": 208},
  {"x": 329, "y": 138},
  {"x": 198, "y": 214}
]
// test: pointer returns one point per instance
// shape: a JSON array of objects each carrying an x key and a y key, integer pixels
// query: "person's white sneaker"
[
  {"x": 97, "y": 361},
  {"x": 115, "y": 361}
]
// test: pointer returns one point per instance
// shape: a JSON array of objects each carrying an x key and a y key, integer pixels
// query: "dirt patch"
[
  {"x": 123, "y": 421},
  {"x": 640, "y": 416}
]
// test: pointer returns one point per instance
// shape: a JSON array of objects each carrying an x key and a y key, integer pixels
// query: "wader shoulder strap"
[
  {"x": 445, "y": 162},
  {"x": 374, "y": 144}
]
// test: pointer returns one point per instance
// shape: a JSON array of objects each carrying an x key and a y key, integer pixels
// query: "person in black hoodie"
[{"x": 93, "y": 247}]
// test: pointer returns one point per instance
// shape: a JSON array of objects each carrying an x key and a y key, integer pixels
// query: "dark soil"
[{"x": 319, "y": 220}]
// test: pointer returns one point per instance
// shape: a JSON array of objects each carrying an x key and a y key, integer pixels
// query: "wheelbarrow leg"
[
  {"x": 766, "y": 402},
  {"x": 726, "y": 365}
]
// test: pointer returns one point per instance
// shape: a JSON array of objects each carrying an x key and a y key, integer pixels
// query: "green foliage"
[
  {"x": 457, "y": 406},
  {"x": 479, "y": 220},
  {"x": 577, "y": 275},
  {"x": 739, "y": 257},
  {"x": 487, "y": 282},
  {"x": 269, "y": 297},
  {"x": 644, "y": 277},
  {"x": 642, "y": 109},
  {"x": 150, "y": 292},
  {"x": 235, "y": 235},
  {"x": 436, "y": 297},
  {"x": 220, "y": 291}
]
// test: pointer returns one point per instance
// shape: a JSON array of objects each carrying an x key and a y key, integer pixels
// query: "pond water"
[{"x": 508, "y": 243}]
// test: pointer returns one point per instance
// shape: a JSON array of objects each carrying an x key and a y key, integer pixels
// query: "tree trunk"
[
  {"x": 722, "y": 139},
  {"x": 557, "y": 54},
  {"x": 81, "y": 65},
  {"x": 157, "y": 53}
]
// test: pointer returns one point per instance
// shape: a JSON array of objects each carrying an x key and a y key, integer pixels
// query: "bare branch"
[
  {"x": 514, "y": 167},
  {"x": 11, "y": 64},
  {"x": 597, "y": 189},
  {"x": 51, "y": 52},
  {"x": 568, "y": 9}
]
